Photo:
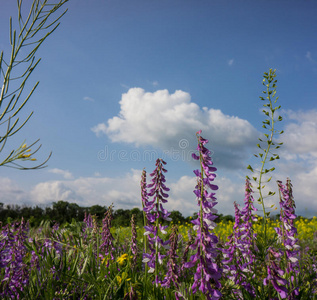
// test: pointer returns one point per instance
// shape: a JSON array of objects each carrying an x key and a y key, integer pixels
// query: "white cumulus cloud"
[
  {"x": 87, "y": 98},
  {"x": 124, "y": 191},
  {"x": 300, "y": 134},
  {"x": 65, "y": 173},
  {"x": 11, "y": 193},
  {"x": 99, "y": 129},
  {"x": 163, "y": 120}
]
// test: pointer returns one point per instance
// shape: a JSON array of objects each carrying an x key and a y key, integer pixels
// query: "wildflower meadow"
[{"x": 254, "y": 257}]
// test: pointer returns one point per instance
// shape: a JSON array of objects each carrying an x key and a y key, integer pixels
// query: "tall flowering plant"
[
  {"x": 267, "y": 143},
  {"x": 154, "y": 210},
  {"x": 287, "y": 237},
  {"x": 287, "y": 234},
  {"x": 172, "y": 275},
  {"x": 107, "y": 247},
  {"x": 239, "y": 255},
  {"x": 134, "y": 246},
  {"x": 208, "y": 273}
]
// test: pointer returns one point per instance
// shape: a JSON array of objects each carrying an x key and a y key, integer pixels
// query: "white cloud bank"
[
  {"x": 123, "y": 192},
  {"x": 163, "y": 120}
]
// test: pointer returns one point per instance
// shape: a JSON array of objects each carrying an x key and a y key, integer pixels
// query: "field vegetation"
[{"x": 65, "y": 252}]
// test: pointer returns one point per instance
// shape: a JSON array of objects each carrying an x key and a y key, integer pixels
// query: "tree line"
[{"x": 63, "y": 212}]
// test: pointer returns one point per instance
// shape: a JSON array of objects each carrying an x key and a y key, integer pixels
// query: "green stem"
[
  {"x": 201, "y": 207},
  {"x": 264, "y": 161},
  {"x": 145, "y": 239}
]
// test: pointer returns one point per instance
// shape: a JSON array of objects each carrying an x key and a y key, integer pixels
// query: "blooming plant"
[
  {"x": 154, "y": 211},
  {"x": 208, "y": 273}
]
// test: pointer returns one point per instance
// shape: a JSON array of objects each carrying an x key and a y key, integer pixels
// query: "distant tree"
[
  {"x": 98, "y": 211},
  {"x": 138, "y": 216},
  {"x": 121, "y": 217},
  {"x": 176, "y": 217}
]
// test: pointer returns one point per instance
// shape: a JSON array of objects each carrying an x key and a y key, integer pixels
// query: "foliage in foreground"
[{"x": 70, "y": 262}]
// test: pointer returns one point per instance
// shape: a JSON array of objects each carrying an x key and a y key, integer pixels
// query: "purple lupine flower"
[
  {"x": 288, "y": 231},
  {"x": 275, "y": 273},
  {"x": 191, "y": 240},
  {"x": 106, "y": 247},
  {"x": 131, "y": 295},
  {"x": 12, "y": 253},
  {"x": 134, "y": 247},
  {"x": 241, "y": 244},
  {"x": 88, "y": 221},
  {"x": 230, "y": 253},
  {"x": 172, "y": 267},
  {"x": 154, "y": 210},
  {"x": 208, "y": 273},
  {"x": 286, "y": 235},
  {"x": 144, "y": 195}
]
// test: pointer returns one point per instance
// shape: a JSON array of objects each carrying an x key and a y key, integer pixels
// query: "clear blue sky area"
[{"x": 125, "y": 82}]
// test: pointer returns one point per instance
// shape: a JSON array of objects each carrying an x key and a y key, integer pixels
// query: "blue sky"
[{"x": 125, "y": 82}]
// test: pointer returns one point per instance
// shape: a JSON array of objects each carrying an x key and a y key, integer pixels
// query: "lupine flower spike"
[
  {"x": 173, "y": 269},
  {"x": 106, "y": 247},
  {"x": 134, "y": 247},
  {"x": 239, "y": 259},
  {"x": 154, "y": 210},
  {"x": 208, "y": 273},
  {"x": 287, "y": 236}
]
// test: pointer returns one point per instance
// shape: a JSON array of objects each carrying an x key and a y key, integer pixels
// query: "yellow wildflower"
[
  {"x": 122, "y": 258},
  {"x": 123, "y": 278}
]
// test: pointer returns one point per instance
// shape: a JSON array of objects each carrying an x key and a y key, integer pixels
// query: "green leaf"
[{"x": 250, "y": 168}]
